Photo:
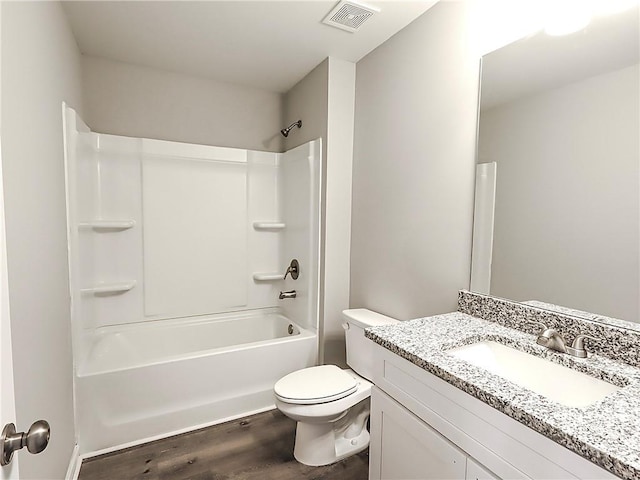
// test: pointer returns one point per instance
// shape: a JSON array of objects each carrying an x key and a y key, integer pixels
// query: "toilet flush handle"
[{"x": 345, "y": 326}]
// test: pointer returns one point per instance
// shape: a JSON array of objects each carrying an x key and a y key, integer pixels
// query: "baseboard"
[
  {"x": 104, "y": 451},
  {"x": 74, "y": 464}
]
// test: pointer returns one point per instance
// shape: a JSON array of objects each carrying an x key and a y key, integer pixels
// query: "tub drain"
[{"x": 290, "y": 329}]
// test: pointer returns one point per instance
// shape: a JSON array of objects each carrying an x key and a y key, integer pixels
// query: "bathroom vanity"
[{"x": 437, "y": 415}]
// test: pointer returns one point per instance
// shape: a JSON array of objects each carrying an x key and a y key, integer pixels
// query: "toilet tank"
[{"x": 360, "y": 348}]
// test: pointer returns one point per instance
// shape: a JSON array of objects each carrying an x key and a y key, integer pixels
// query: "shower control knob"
[
  {"x": 293, "y": 269},
  {"x": 36, "y": 440}
]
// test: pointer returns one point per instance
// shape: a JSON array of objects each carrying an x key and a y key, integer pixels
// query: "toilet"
[{"x": 331, "y": 405}]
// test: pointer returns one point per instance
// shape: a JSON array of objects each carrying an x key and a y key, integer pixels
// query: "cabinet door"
[
  {"x": 475, "y": 471},
  {"x": 404, "y": 447}
]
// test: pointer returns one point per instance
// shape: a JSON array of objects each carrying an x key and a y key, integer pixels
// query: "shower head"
[{"x": 285, "y": 131}]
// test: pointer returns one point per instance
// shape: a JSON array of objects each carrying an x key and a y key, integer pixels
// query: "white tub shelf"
[
  {"x": 268, "y": 277},
  {"x": 269, "y": 225},
  {"x": 104, "y": 225},
  {"x": 106, "y": 288}
]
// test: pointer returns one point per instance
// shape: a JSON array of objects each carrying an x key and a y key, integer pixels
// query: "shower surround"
[{"x": 176, "y": 258}]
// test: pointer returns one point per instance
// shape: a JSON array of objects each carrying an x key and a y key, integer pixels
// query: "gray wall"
[
  {"x": 136, "y": 101},
  {"x": 567, "y": 211},
  {"x": 414, "y": 167},
  {"x": 308, "y": 100},
  {"x": 40, "y": 69}
]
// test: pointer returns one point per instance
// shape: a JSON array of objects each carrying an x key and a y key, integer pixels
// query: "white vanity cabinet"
[
  {"x": 425, "y": 428},
  {"x": 475, "y": 471},
  {"x": 409, "y": 449}
]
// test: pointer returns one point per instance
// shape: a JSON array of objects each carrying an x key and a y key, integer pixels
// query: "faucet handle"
[
  {"x": 577, "y": 347},
  {"x": 578, "y": 342},
  {"x": 293, "y": 269}
]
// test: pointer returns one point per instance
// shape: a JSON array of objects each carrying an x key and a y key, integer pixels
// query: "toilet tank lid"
[{"x": 366, "y": 318}]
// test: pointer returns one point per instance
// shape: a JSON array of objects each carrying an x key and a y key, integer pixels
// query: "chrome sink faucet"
[{"x": 552, "y": 339}]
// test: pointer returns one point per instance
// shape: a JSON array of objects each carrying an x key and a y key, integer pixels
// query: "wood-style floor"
[{"x": 259, "y": 447}]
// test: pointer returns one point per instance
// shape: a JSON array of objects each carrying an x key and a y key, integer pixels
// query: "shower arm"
[{"x": 285, "y": 131}]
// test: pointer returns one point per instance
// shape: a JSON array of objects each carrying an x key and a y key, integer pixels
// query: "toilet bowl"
[
  {"x": 330, "y": 426},
  {"x": 331, "y": 405}
]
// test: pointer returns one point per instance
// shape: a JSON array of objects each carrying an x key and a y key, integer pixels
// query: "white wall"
[
  {"x": 40, "y": 69},
  {"x": 337, "y": 249},
  {"x": 166, "y": 189},
  {"x": 567, "y": 211},
  {"x": 324, "y": 101},
  {"x": 131, "y": 100},
  {"x": 414, "y": 167},
  {"x": 7, "y": 399},
  {"x": 299, "y": 189}
]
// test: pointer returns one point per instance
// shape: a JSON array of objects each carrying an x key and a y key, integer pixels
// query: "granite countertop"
[{"x": 606, "y": 432}]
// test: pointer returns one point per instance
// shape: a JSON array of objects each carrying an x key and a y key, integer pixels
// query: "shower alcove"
[{"x": 177, "y": 254}]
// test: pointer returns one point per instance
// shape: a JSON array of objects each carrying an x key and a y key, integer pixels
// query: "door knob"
[{"x": 36, "y": 440}]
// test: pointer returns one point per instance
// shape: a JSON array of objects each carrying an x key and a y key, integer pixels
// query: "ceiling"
[
  {"x": 269, "y": 45},
  {"x": 541, "y": 62}
]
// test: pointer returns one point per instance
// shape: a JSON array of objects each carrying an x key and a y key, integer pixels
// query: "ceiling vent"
[{"x": 349, "y": 15}]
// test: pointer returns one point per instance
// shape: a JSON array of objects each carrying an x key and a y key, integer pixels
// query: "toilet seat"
[{"x": 322, "y": 384}]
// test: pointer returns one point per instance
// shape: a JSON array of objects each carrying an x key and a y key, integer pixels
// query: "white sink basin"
[{"x": 556, "y": 382}]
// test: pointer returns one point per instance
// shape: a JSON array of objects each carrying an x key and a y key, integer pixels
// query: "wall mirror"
[{"x": 558, "y": 214}]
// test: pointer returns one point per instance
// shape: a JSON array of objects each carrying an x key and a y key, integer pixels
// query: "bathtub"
[{"x": 147, "y": 380}]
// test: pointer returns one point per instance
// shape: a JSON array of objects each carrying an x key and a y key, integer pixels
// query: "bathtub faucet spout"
[{"x": 289, "y": 294}]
